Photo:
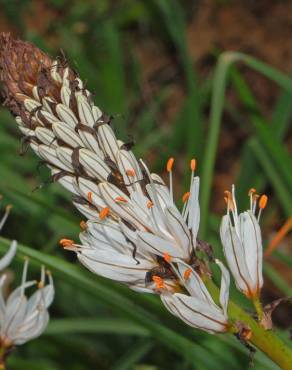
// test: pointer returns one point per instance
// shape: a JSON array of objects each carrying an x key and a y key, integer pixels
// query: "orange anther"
[
  {"x": 104, "y": 212},
  {"x": 121, "y": 199},
  {"x": 263, "y": 201},
  {"x": 229, "y": 199},
  {"x": 159, "y": 282},
  {"x": 167, "y": 257},
  {"x": 186, "y": 196},
  {"x": 89, "y": 196},
  {"x": 169, "y": 164},
  {"x": 193, "y": 164},
  {"x": 66, "y": 242},
  {"x": 228, "y": 194},
  {"x": 131, "y": 173},
  {"x": 149, "y": 204},
  {"x": 251, "y": 191},
  {"x": 83, "y": 225},
  {"x": 187, "y": 273}
]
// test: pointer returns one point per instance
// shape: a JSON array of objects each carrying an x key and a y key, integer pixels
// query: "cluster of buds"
[
  {"x": 134, "y": 232},
  {"x": 21, "y": 318}
]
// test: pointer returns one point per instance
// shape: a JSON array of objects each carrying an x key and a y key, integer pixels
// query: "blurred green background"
[{"x": 164, "y": 70}]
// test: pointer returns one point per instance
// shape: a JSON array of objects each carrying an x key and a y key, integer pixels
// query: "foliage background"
[{"x": 153, "y": 64}]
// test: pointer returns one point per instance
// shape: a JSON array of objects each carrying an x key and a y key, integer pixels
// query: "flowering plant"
[{"x": 134, "y": 232}]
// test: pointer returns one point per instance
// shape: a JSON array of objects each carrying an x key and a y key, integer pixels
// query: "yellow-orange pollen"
[
  {"x": 187, "y": 273},
  {"x": 104, "y": 213},
  {"x": 252, "y": 191},
  {"x": 121, "y": 199},
  {"x": 131, "y": 173},
  {"x": 149, "y": 205},
  {"x": 229, "y": 199},
  {"x": 89, "y": 197},
  {"x": 263, "y": 201},
  {"x": 186, "y": 196},
  {"x": 66, "y": 242},
  {"x": 193, "y": 164},
  {"x": 169, "y": 164},
  {"x": 159, "y": 282},
  {"x": 167, "y": 257}
]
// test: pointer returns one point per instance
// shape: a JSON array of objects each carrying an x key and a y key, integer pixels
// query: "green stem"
[
  {"x": 265, "y": 340},
  {"x": 258, "y": 307}
]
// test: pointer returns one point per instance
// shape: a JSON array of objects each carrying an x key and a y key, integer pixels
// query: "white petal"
[
  {"x": 108, "y": 141},
  {"x": 195, "y": 285},
  {"x": 66, "y": 115},
  {"x": 65, "y": 156},
  {"x": 179, "y": 230},
  {"x": 224, "y": 287},
  {"x": 50, "y": 155},
  {"x": 115, "y": 266},
  {"x": 156, "y": 245},
  {"x": 66, "y": 134},
  {"x": 6, "y": 260},
  {"x": 94, "y": 165},
  {"x": 97, "y": 113},
  {"x": 195, "y": 313},
  {"x": 234, "y": 254},
  {"x": 31, "y": 104},
  {"x": 65, "y": 95},
  {"x": 252, "y": 244},
  {"x": 85, "y": 112},
  {"x": 46, "y": 136},
  {"x": 90, "y": 142}
]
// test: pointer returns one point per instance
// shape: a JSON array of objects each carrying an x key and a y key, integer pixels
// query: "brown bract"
[{"x": 22, "y": 68}]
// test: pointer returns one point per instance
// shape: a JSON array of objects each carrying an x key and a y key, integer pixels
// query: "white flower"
[
  {"x": 197, "y": 308},
  {"x": 242, "y": 244},
  {"x": 22, "y": 318}
]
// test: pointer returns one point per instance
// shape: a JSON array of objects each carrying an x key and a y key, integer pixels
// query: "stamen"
[
  {"x": 263, "y": 201},
  {"x": 121, "y": 199},
  {"x": 149, "y": 204},
  {"x": 89, "y": 196},
  {"x": 262, "y": 204},
  {"x": 104, "y": 213},
  {"x": 254, "y": 200},
  {"x": 187, "y": 273},
  {"x": 83, "y": 225},
  {"x": 186, "y": 196},
  {"x": 66, "y": 242},
  {"x": 193, "y": 164},
  {"x": 5, "y": 216},
  {"x": 169, "y": 164},
  {"x": 24, "y": 274},
  {"x": 41, "y": 283},
  {"x": 169, "y": 170},
  {"x": 229, "y": 201},
  {"x": 251, "y": 191},
  {"x": 131, "y": 173},
  {"x": 167, "y": 257},
  {"x": 159, "y": 282}
]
